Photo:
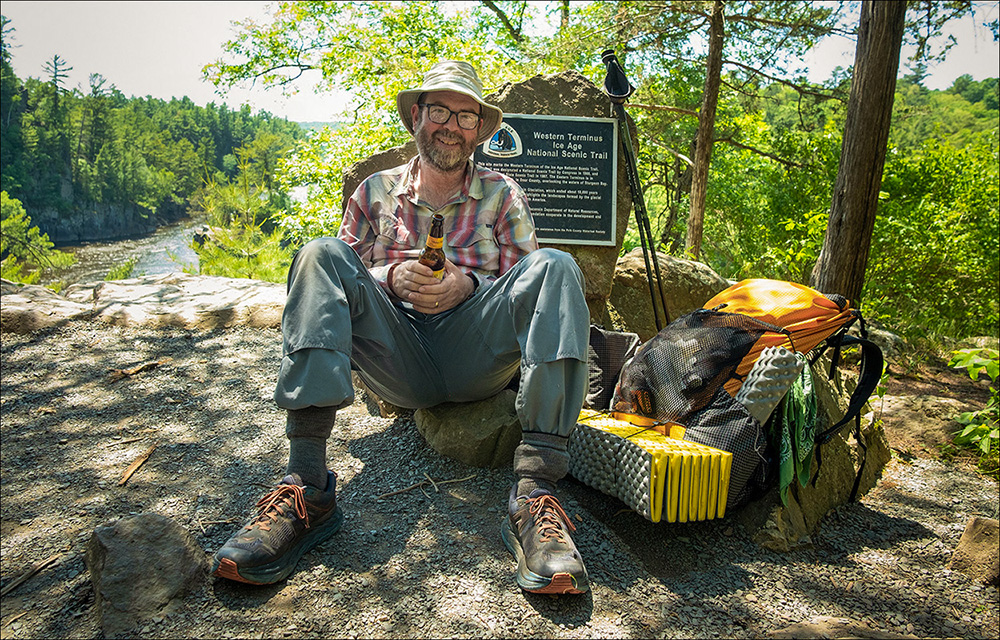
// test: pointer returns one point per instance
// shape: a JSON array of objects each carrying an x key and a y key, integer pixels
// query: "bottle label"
[
  {"x": 434, "y": 243},
  {"x": 439, "y": 274}
]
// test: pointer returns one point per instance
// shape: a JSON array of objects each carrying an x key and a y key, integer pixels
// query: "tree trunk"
[
  {"x": 706, "y": 130},
  {"x": 844, "y": 257}
]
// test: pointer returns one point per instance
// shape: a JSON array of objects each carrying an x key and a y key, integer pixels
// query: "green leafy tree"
[
  {"x": 24, "y": 250},
  {"x": 935, "y": 267},
  {"x": 372, "y": 49},
  {"x": 66, "y": 151},
  {"x": 11, "y": 105}
]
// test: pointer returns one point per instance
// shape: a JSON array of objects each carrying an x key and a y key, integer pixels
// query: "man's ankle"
[
  {"x": 307, "y": 430},
  {"x": 526, "y": 485},
  {"x": 307, "y": 459}
]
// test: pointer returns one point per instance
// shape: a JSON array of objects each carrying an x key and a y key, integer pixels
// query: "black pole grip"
[{"x": 616, "y": 84}]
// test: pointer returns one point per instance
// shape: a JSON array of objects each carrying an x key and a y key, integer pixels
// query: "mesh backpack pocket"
[{"x": 726, "y": 424}]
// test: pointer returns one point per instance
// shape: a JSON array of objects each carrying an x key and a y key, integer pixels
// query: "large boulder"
[
  {"x": 480, "y": 434},
  {"x": 28, "y": 308},
  {"x": 141, "y": 567},
  {"x": 686, "y": 286},
  {"x": 783, "y": 527},
  {"x": 170, "y": 300}
]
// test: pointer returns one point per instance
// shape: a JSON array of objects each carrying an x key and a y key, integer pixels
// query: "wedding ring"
[{"x": 436, "y": 304}]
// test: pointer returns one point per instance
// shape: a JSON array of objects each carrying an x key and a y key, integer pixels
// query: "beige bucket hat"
[{"x": 457, "y": 76}]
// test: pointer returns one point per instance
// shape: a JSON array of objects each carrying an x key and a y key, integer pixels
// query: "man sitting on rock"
[{"x": 363, "y": 301}]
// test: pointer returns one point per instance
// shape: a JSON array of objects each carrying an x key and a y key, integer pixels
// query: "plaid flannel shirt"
[{"x": 487, "y": 225}]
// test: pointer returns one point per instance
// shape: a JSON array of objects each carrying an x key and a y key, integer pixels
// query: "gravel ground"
[{"x": 422, "y": 562}]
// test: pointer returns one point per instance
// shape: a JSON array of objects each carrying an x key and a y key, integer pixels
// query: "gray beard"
[{"x": 444, "y": 160}]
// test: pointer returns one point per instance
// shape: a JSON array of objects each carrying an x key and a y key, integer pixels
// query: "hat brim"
[{"x": 491, "y": 114}]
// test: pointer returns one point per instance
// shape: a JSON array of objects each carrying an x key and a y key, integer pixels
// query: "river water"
[{"x": 164, "y": 251}]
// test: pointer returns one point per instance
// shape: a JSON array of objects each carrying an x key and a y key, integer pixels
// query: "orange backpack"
[{"x": 803, "y": 316}]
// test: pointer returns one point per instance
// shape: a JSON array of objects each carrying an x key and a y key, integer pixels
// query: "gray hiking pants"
[{"x": 534, "y": 317}]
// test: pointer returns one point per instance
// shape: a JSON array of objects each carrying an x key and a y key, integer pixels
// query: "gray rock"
[
  {"x": 977, "y": 555},
  {"x": 28, "y": 308},
  {"x": 686, "y": 286},
  {"x": 786, "y": 527},
  {"x": 140, "y": 567},
  {"x": 170, "y": 300},
  {"x": 480, "y": 434},
  {"x": 980, "y": 342},
  {"x": 892, "y": 345}
]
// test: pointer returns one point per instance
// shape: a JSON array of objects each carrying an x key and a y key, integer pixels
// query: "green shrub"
[
  {"x": 979, "y": 429},
  {"x": 123, "y": 271},
  {"x": 24, "y": 250}
]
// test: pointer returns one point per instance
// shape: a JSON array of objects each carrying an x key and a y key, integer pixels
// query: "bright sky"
[
  {"x": 159, "y": 49},
  {"x": 149, "y": 48}
]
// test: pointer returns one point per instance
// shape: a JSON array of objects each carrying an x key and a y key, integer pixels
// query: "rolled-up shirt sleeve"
[
  {"x": 356, "y": 230},
  {"x": 514, "y": 231}
]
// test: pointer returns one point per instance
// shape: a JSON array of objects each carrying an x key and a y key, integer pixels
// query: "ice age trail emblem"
[{"x": 505, "y": 143}]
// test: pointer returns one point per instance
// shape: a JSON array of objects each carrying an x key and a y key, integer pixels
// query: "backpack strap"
[
  {"x": 864, "y": 458},
  {"x": 871, "y": 373}
]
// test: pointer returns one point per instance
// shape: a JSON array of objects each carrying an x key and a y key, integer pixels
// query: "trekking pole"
[{"x": 618, "y": 89}]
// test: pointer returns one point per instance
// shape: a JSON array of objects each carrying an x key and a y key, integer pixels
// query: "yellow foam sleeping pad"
[{"x": 650, "y": 467}]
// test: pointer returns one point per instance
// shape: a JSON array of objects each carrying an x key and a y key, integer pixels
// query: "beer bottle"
[{"x": 433, "y": 253}]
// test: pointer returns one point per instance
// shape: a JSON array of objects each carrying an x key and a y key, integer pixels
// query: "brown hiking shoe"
[
  {"x": 537, "y": 533},
  {"x": 290, "y": 520}
]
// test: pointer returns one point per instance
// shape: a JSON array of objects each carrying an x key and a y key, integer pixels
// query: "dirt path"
[{"x": 420, "y": 563}]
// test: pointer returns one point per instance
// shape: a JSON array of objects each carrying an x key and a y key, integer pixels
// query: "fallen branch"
[
  {"x": 132, "y": 468},
  {"x": 118, "y": 374},
  {"x": 17, "y": 617},
  {"x": 27, "y": 574},
  {"x": 424, "y": 483},
  {"x": 130, "y": 440},
  {"x": 431, "y": 480}
]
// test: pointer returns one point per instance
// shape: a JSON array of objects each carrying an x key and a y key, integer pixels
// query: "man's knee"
[
  {"x": 327, "y": 254},
  {"x": 324, "y": 250},
  {"x": 553, "y": 262}
]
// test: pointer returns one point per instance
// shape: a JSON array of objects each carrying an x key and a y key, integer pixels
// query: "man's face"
[{"x": 446, "y": 146}]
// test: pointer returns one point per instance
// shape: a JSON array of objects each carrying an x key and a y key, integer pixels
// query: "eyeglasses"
[{"x": 441, "y": 115}]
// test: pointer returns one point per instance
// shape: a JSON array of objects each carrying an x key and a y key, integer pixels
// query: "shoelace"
[
  {"x": 547, "y": 512},
  {"x": 274, "y": 503}
]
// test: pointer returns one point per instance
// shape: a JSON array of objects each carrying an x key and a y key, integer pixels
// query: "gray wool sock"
[
  {"x": 307, "y": 430},
  {"x": 526, "y": 485},
  {"x": 540, "y": 461}
]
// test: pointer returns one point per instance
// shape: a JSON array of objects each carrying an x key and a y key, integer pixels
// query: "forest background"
[{"x": 933, "y": 270}]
